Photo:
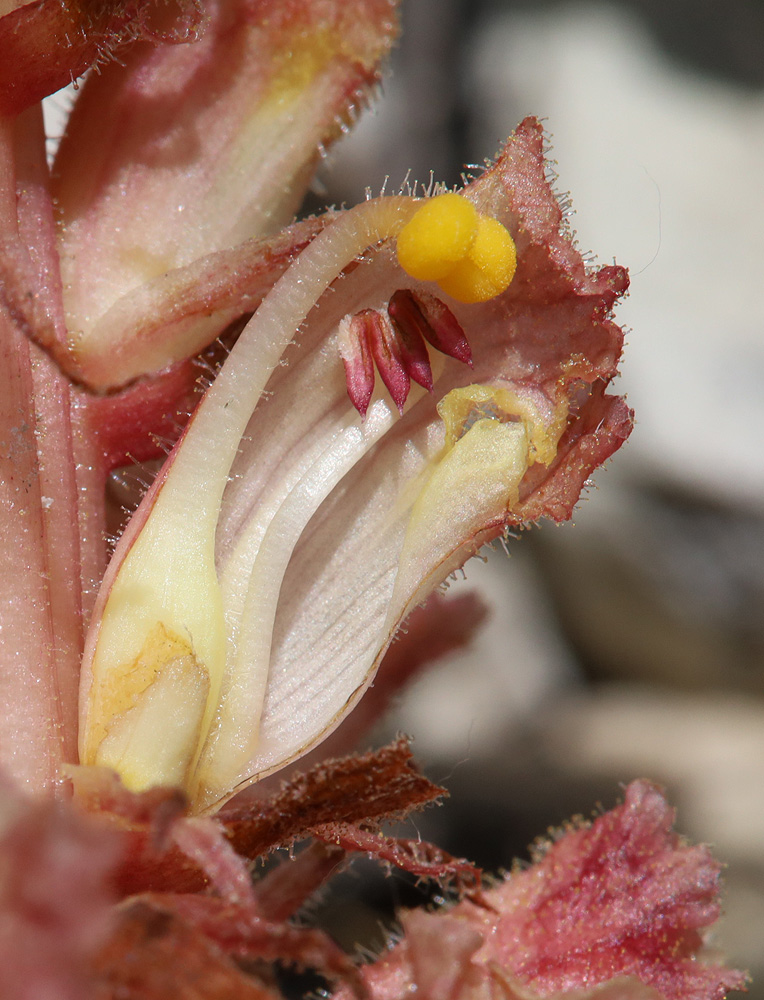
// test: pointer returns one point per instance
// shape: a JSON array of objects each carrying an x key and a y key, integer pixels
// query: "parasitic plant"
[{"x": 305, "y": 510}]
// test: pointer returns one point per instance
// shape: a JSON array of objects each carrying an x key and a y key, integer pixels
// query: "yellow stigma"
[
  {"x": 438, "y": 236},
  {"x": 471, "y": 256}
]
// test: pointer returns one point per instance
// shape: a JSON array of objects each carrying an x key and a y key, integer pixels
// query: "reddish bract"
[
  {"x": 55, "y": 896},
  {"x": 611, "y": 909},
  {"x": 624, "y": 896}
]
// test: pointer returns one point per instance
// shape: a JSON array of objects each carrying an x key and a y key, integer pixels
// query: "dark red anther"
[
  {"x": 388, "y": 355},
  {"x": 431, "y": 319},
  {"x": 394, "y": 340},
  {"x": 355, "y": 351},
  {"x": 414, "y": 354}
]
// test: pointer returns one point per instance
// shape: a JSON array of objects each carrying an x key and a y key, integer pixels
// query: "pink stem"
[{"x": 43, "y": 468}]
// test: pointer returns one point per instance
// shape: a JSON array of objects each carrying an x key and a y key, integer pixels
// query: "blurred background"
[{"x": 630, "y": 643}]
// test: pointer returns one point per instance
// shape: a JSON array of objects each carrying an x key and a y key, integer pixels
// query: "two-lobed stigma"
[{"x": 471, "y": 256}]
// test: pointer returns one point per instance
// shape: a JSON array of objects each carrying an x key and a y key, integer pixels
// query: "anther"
[{"x": 431, "y": 319}]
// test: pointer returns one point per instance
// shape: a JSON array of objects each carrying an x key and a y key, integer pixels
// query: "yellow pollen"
[{"x": 471, "y": 256}]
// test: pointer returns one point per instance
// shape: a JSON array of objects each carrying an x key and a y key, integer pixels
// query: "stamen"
[
  {"x": 355, "y": 352},
  {"x": 388, "y": 355},
  {"x": 433, "y": 320},
  {"x": 395, "y": 340},
  {"x": 413, "y": 350},
  {"x": 366, "y": 338}
]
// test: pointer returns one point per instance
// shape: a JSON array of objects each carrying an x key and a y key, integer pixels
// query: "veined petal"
[
  {"x": 189, "y": 150},
  {"x": 326, "y": 530}
]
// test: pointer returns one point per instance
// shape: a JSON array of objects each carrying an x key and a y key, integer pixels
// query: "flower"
[
  {"x": 285, "y": 540},
  {"x": 303, "y": 513}
]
